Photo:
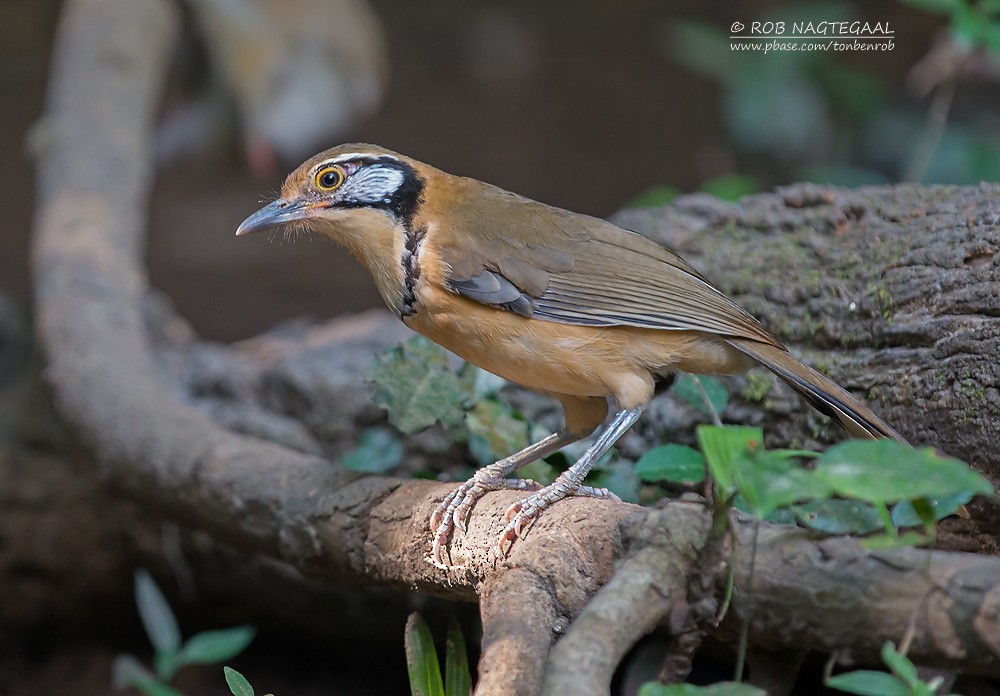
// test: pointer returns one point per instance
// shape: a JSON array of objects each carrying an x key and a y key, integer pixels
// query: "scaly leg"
[
  {"x": 454, "y": 509},
  {"x": 522, "y": 513}
]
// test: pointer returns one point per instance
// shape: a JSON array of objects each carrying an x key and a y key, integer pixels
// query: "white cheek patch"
[{"x": 372, "y": 184}]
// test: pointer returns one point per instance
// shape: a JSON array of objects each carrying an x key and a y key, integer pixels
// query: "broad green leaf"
[
  {"x": 868, "y": 683},
  {"x": 899, "y": 664},
  {"x": 886, "y": 471},
  {"x": 421, "y": 659},
  {"x": 238, "y": 684},
  {"x": 494, "y": 431},
  {"x": 686, "y": 388},
  {"x": 721, "y": 689},
  {"x": 653, "y": 197},
  {"x": 903, "y": 514},
  {"x": 378, "y": 451},
  {"x": 457, "y": 680},
  {"x": 671, "y": 463},
  {"x": 771, "y": 480},
  {"x": 416, "y": 388},
  {"x": 838, "y": 516},
  {"x": 721, "y": 445},
  {"x": 157, "y": 618},
  {"x": 216, "y": 646}
]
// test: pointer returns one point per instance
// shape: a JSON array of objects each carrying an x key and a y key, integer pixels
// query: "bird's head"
[{"x": 343, "y": 191}]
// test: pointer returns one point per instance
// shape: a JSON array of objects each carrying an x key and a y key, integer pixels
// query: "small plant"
[
  {"x": 422, "y": 660},
  {"x": 169, "y": 653},
  {"x": 903, "y": 680},
  {"x": 238, "y": 684}
]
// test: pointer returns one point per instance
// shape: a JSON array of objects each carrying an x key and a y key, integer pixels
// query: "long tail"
[{"x": 819, "y": 390}]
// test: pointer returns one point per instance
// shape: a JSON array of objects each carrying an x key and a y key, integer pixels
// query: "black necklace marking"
[{"x": 411, "y": 270}]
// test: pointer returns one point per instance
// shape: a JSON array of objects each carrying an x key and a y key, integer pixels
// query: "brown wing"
[{"x": 558, "y": 266}]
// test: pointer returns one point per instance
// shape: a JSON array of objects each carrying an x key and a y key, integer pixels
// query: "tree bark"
[{"x": 892, "y": 290}]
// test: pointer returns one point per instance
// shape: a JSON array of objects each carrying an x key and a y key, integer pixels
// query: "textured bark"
[
  {"x": 845, "y": 274},
  {"x": 894, "y": 291}
]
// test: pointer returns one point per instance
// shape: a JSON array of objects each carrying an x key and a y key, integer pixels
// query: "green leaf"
[
  {"x": 127, "y": 670},
  {"x": 653, "y": 197},
  {"x": 157, "y": 618},
  {"x": 238, "y": 684},
  {"x": 721, "y": 445},
  {"x": 671, "y": 463},
  {"x": 686, "y": 388},
  {"x": 494, "y": 431},
  {"x": 731, "y": 187},
  {"x": 618, "y": 477},
  {"x": 771, "y": 480},
  {"x": 886, "y": 471},
  {"x": 216, "y": 646},
  {"x": 721, "y": 689},
  {"x": 378, "y": 451},
  {"x": 457, "y": 680},
  {"x": 903, "y": 514},
  {"x": 421, "y": 659},
  {"x": 838, "y": 516},
  {"x": 868, "y": 683},
  {"x": 899, "y": 664},
  {"x": 416, "y": 388},
  {"x": 166, "y": 664}
]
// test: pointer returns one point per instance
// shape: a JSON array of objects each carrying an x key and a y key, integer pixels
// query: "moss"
[{"x": 756, "y": 386}]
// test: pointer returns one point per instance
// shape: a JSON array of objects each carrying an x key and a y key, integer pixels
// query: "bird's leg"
[
  {"x": 523, "y": 512},
  {"x": 454, "y": 509}
]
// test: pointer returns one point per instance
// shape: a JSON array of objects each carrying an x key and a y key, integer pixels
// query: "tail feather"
[{"x": 819, "y": 390}]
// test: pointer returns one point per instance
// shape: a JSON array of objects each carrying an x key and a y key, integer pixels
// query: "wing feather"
[{"x": 564, "y": 267}]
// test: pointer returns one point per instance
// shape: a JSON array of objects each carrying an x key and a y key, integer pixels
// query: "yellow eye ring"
[{"x": 330, "y": 178}]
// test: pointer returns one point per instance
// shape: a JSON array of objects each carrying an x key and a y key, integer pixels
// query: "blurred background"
[{"x": 587, "y": 105}]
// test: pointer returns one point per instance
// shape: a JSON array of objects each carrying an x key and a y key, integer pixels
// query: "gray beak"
[{"x": 274, "y": 215}]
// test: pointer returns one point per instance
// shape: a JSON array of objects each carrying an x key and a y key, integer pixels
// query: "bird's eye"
[{"x": 330, "y": 178}]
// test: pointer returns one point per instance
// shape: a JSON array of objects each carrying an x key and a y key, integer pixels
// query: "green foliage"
[
  {"x": 653, "y": 197},
  {"x": 721, "y": 689},
  {"x": 686, "y": 387},
  {"x": 495, "y": 431},
  {"x": 422, "y": 660},
  {"x": 238, "y": 684},
  {"x": 671, "y": 463},
  {"x": 903, "y": 681},
  {"x": 973, "y": 24},
  {"x": 415, "y": 386},
  {"x": 170, "y": 654},
  {"x": 731, "y": 187},
  {"x": 378, "y": 451}
]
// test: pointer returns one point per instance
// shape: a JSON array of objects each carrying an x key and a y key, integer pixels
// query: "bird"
[{"x": 564, "y": 304}]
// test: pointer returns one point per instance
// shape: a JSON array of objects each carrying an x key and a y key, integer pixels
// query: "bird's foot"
[
  {"x": 455, "y": 508},
  {"x": 522, "y": 514}
]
